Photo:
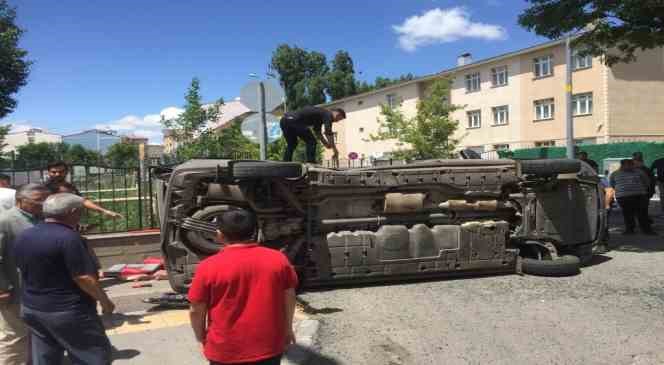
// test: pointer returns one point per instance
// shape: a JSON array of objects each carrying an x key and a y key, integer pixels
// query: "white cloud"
[
  {"x": 443, "y": 25},
  {"x": 146, "y": 126}
]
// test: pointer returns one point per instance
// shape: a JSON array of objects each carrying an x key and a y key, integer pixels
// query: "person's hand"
[
  {"x": 201, "y": 347},
  {"x": 113, "y": 215},
  {"x": 5, "y": 297},
  {"x": 290, "y": 337},
  {"x": 107, "y": 307}
]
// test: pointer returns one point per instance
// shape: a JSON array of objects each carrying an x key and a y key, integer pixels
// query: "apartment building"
[{"x": 517, "y": 100}]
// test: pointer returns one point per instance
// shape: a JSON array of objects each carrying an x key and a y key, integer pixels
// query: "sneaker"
[{"x": 601, "y": 249}]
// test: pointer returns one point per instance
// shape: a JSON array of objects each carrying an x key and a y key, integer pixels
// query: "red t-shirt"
[{"x": 244, "y": 286}]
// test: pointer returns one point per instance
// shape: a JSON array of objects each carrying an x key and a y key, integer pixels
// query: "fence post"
[
  {"x": 139, "y": 182},
  {"x": 151, "y": 202}
]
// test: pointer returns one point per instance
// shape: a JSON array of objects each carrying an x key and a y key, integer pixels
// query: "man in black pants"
[
  {"x": 631, "y": 184},
  {"x": 298, "y": 125}
]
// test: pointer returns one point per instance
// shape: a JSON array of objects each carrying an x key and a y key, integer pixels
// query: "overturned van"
[{"x": 425, "y": 219}]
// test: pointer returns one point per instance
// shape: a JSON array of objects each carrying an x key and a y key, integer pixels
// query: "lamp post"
[{"x": 568, "y": 98}]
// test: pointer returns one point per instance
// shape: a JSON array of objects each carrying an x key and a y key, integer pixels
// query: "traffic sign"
[
  {"x": 250, "y": 95},
  {"x": 250, "y": 128}
]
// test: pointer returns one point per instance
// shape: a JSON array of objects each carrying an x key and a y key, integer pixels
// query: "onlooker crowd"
[
  {"x": 634, "y": 185},
  {"x": 49, "y": 286}
]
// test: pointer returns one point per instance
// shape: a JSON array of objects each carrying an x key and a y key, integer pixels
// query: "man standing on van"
[{"x": 298, "y": 125}]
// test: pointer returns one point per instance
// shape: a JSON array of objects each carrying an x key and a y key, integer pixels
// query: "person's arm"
[
  {"x": 289, "y": 299},
  {"x": 197, "y": 317},
  {"x": 609, "y": 195},
  {"x": 89, "y": 204},
  {"x": 5, "y": 284},
  {"x": 90, "y": 285}
]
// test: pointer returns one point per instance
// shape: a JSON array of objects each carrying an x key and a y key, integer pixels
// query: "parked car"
[{"x": 418, "y": 220}]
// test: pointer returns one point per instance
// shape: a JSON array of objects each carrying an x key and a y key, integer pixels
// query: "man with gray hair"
[
  {"x": 26, "y": 213},
  {"x": 60, "y": 288}
]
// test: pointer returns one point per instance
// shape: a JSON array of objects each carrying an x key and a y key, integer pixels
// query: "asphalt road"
[{"x": 612, "y": 313}]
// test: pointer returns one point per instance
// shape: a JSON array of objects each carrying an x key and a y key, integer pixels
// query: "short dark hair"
[
  {"x": 238, "y": 224},
  {"x": 625, "y": 162},
  {"x": 55, "y": 188},
  {"x": 5, "y": 177},
  {"x": 58, "y": 163},
  {"x": 583, "y": 153},
  {"x": 638, "y": 156},
  {"x": 339, "y": 111}
]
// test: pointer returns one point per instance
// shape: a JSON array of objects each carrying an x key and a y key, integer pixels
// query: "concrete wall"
[
  {"x": 636, "y": 98},
  {"x": 362, "y": 115}
]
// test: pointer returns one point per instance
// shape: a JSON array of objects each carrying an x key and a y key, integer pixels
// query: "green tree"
[
  {"x": 14, "y": 66},
  {"x": 276, "y": 149},
  {"x": 382, "y": 82},
  {"x": 123, "y": 155},
  {"x": 429, "y": 134},
  {"x": 190, "y": 129},
  {"x": 341, "y": 79},
  {"x": 615, "y": 29},
  {"x": 35, "y": 155},
  {"x": 196, "y": 139},
  {"x": 79, "y": 155},
  {"x": 303, "y": 75}
]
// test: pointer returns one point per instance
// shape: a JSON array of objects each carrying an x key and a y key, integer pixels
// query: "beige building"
[
  {"x": 517, "y": 100},
  {"x": 33, "y": 135}
]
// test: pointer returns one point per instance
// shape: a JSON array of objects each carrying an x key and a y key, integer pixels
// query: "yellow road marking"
[{"x": 120, "y": 324}]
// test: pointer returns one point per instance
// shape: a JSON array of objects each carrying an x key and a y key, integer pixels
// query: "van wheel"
[{"x": 566, "y": 265}]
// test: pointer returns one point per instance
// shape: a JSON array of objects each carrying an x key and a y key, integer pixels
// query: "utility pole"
[{"x": 568, "y": 99}]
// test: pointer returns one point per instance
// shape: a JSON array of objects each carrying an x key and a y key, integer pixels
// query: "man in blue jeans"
[{"x": 60, "y": 288}]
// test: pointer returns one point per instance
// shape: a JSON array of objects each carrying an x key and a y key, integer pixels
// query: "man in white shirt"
[{"x": 7, "y": 194}]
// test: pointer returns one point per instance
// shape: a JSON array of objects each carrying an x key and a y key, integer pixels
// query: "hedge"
[{"x": 598, "y": 152}]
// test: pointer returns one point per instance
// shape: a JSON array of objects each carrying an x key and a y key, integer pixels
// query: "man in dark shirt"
[
  {"x": 658, "y": 168},
  {"x": 583, "y": 156},
  {"x": 298, "y": 125},
  {"x": 60, "y": 288},
  {"x": 57, "y": 175}
]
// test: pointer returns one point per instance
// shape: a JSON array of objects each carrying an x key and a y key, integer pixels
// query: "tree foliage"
[
  {"x": 123, "y": 155},
  {"x": 429, "y": 134},
  {"x": 14, "y": 66},
  {"x": 341, "y": 80},
  {"x": 303, "y": 74},
  {"x": 195, "y": 137},
  {"x": 37, "y": 155},
  {"x": 382, "y": 82},
  {"x": 276, "y": 149},
  {"x": 615, "y": 29}
]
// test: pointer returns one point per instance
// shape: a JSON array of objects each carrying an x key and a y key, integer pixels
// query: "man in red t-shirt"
[{"x": 247, "y": 294}]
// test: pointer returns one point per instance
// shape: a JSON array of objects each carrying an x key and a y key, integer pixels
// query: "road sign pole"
[{"x": 262, "y": 128}]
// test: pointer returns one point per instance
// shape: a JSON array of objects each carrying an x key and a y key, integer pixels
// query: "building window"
[
  {"x": 585, "y": 141},
  {"x": 501, "y": 147},
  {"x": 335, "y": 135},
  {"x": 544, "y": 109},
  {"x": 474, "y": 119},
  {"x": 582, "y": 104},
  {"x": 392, "y": 101},
  {"x": 500, "y": 115},
  {"x": 360, "y": 102},
  {"x": 499, "y": 76},
  {"x": 543, "y": 66},
  {"x": 473, "y": 82},
  {"x": 361, "y": 129},
  {"x": 545, "y": 143},
  {"x": 580, "y": 62}
]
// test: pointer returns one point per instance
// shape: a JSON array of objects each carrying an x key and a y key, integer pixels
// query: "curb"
[{"x": 306, "y": 335}]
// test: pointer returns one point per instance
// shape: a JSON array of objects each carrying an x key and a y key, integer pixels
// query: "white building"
[{"x": 33, "y": 135}]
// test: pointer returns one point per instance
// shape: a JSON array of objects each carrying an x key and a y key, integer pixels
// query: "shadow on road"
[
  {"x": 124, "y": 354},
  {"x": 308, "y": 309},
  {"x": 598, "y": 260},
  {"x": 298, "y": 354},
  {"x": 638, "y": 242}
]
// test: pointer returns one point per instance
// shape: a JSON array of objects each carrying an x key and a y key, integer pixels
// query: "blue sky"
[{"x": 121, "y": 63}]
